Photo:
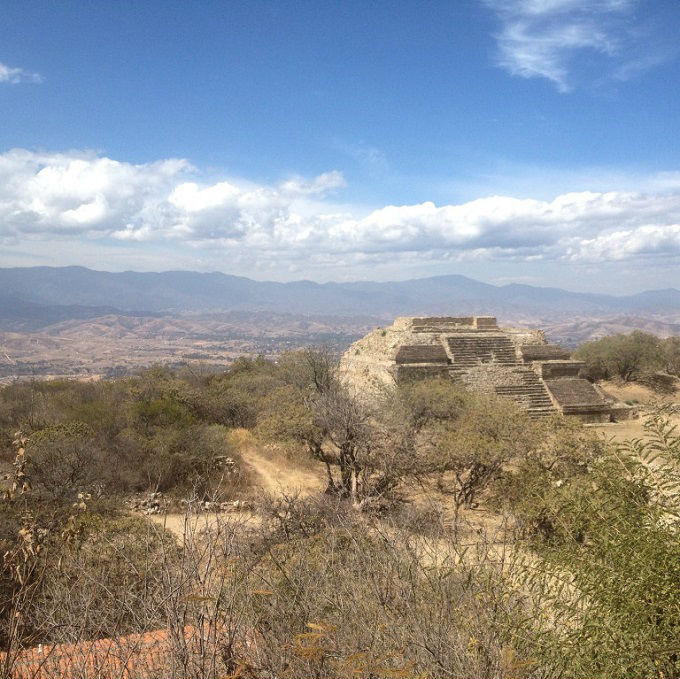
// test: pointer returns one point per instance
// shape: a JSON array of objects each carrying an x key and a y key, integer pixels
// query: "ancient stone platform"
[{"x": 517, "y": 364}]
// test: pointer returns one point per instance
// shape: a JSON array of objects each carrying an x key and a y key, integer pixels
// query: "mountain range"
[{"x": 57, "y": 293}]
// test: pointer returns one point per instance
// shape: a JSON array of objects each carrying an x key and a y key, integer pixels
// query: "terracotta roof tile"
[{"x": 135, "y": 655}]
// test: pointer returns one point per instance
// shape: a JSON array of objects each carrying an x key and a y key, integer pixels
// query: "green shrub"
[
  {"x": 627, "y": 357},
  {"x": 605, "y": 560}
]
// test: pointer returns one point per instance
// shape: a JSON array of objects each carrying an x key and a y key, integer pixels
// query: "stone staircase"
[
  {"x": 471, "y": 350},
  {"x": 530, "y": 394},
  {"x": 482, "y": 361},
  {"x": 525, "y": 387}
]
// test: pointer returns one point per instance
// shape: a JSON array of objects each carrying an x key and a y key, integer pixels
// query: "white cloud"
[
  {"x": 78, "y": 192},
  {"x": 539, "y": 38},
  {"x": 11, "y": 75},
  {"x": 648, "y": 240},
  {"x": 319, "y": 186},
  {"x": 167, "y": 205}
]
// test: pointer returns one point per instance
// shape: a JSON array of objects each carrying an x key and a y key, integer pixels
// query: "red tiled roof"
[{"x": 135, "y": 655}]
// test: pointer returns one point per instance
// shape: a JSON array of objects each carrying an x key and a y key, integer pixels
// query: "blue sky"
[{"x": 509, "y": 140}]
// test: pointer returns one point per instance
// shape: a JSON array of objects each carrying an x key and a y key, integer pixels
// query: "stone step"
[
  {"x": 520, "y": 390},
  {"x": 531, "y": 402},
  {"x": 476, "y": 360},
  {"x": 529, "y": 392},
  {"x": 483, "y": 360},
  {"x": 534, "y": 396},
  {"x": 478, "y": 345},
  {"x": 478, "y": 350},
  {"x": 527, "y": 401},
  {"x": 482, "y": 350},
  {"x": 486, "y": 358}
]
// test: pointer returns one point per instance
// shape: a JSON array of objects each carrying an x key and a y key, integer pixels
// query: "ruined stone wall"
[
  {"x": 591, "y": 417},
  {"x": 484, "y": 378},
  {"x": 521, "y": 336},
  {"x": 555, "y": 369},
  {"x": 478, "y": 354},
  {"x": 369, "y": 366}
]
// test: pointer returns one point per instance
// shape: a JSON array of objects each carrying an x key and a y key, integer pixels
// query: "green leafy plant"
[{"x": 605, "y": 576}]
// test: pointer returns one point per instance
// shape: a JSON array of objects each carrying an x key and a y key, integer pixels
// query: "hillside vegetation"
[
  {"x": 454, "y": 536},
  {"x": 634, "y": 357}
]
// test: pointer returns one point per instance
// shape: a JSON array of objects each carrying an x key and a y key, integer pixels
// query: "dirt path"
[
  {"x": 273, "y": 472},
  {"x": 278, "y": 475},
  {"x": 179, "y": 523}
]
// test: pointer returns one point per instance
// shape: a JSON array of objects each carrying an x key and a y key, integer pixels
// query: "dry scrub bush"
[
  {"x": 426, "y": 428},
  {"x": 106, "y": 582},
  {"x": 338, "y": 430},
  {"x": 22, "y": 570},
  {"x": 191, "y": 461},
  {"x": 64, "y": 459},
  {"x": 464, "y": 440},
  {"x": 561, "y": 460},
  {"x": 320, "y": 590},
  {"x": 314, "y": 591},
  {"x": 586, "y": 584},
  {"x": 129, "y": 576},
  {"x": 151, "y": 432},
  {"x": 130, "y": 435},
  {"x": 342, "y": 596}
]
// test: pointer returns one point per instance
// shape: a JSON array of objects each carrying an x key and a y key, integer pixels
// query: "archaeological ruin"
[{"x": 516, "y": 364}]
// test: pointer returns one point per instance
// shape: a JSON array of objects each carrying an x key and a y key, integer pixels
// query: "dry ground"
[
  {"x": 275, "y": 470},
  {"x": 272, "y": 472},
  {"x": 276, "y": 474},
  {"x": 182, "y": 524},
  {"x": 640, "y": 396},
  {"x": 631, "y": 392}
]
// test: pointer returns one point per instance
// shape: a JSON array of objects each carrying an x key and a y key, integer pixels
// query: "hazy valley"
[
  {"x": 116, "y": 344},
  {"x": 73, "y": 321}
]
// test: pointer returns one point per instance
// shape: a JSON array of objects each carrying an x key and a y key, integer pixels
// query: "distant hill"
[
  {"x": 19, "y": 315},
  {"x": 47, "y": 292},
  {"x": 571, "y": 333}
]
